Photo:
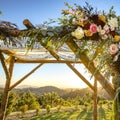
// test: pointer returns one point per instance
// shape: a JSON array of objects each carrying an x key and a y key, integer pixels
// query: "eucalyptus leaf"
[
  {"x": 115, "y": 58},
  {"x": 44, "y": 32},
  {"x": 77, "y": 54},
  {"x": 50, "y": 33},
  {"x": 43, "y": 41},
  {"x": 118, "y": 32}
]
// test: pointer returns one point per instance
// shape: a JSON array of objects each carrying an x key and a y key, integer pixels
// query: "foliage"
[
  {"x": 0, "y": 12},
  {"x": 24, "y": 108},
  {"x": 48, "y": 107},
  {"x": 12, "y": 101},
  {"x": 52, "y": 99},
  {"x": 74, "y": 115},
  {"x": 28, "y": 99},
  {"x": 38, "y": 111}
]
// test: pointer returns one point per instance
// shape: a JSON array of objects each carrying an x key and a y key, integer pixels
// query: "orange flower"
[
  {"x": 117, "y": 38},
  {"x": 80, "y": 23},
  {"x": 88, "y": 33},
  {"x": 102, "y": 18}
]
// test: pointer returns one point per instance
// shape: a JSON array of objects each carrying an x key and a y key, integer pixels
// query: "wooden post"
[
  {"x": 95, "y": 100},
  {"x": 29, "y": 25},
  {"x": 5, "y": 96},
  {"x": 116, "y": 83},
  {"x": 91, "y": 67}
]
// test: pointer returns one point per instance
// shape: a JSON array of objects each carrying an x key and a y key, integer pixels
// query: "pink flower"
[
  {"x": 113, "y": 49},
  {"x": 93, "y": 28},
  {"x": 73, "y": 12}
]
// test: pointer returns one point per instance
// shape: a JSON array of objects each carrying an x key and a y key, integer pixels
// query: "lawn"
[{"x": 76, "y": 115}]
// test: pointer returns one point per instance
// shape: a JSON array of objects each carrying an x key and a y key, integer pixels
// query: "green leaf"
[
  {"x": 44, "y": 32},
  {"x": 0, "y": 12},
  {"x": 43, "y": 41},
  {"x": 49, "y": 44},
  {"x": 50, "y": 33},
  {"x": 77, "y": 54}
]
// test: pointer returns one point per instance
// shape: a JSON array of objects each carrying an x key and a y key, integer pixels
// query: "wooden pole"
[
  {"x": 95, "y": 100},
  {"x": 91, "y": 67},
  {"x": 29, "y": 25},
  {"x": 5, "y": 96}
]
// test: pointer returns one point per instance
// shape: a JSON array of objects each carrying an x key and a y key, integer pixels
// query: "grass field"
[{"x": 103, "y": 114}]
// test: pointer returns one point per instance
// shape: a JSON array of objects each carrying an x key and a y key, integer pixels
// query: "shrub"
[
  {"x": 48, "y": 108},
  {"x": 38, "y": 111},
  {"x": 24, "y": 108}
]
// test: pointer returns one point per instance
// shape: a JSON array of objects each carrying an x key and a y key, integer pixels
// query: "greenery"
[
  {"x": 79, "y": 106},
  {"x": 82, "y": 114}
]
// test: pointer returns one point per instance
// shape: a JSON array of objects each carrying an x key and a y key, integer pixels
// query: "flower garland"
[{"x": 95, "y": 26}]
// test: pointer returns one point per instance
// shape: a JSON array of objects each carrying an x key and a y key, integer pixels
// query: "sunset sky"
[{"x": 38, "y": 11}]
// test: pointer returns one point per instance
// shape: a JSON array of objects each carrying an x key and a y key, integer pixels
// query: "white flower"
[
  {"x": 106, "y": 28},
  {"x": 78, "y": 33},
  {"x": 113, "y": 23},
  {"x": 104, "y": 37},
  {"x": 99, "y": 28},
  {"x": 113, "y": 49},
  {"x": 102, "y": 32}
]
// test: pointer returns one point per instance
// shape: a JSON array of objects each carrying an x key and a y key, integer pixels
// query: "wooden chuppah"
[{"x": 57, "y": 59}]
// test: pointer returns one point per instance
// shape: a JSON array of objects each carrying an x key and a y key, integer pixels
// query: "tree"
[
  {"x": 52, "y": 99},
  {"x": 12, "y": 102},
  {"x": 29, "y": 99}
]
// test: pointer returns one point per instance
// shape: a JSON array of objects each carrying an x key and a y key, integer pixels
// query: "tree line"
[{"x": 30, "y": 101}]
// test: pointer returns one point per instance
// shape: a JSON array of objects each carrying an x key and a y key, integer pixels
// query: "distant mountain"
[
  {"x": 45, "y": 89},
  {"x": 81, "y": 92},
  {"x": 65, "y": 93}
]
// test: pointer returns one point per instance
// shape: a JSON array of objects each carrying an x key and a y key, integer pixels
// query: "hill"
[
  {"x": 45, "y": 89},
  {"x": 65, "y": 93}
]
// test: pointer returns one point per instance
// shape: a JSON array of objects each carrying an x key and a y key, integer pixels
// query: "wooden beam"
[
  {"x": 27, "y": 75},
  {"x": 29, "y": 25},
  {"x": 45, "y": 61},
  {"x": 8, "y": 73},
  {"x": 79, "y": 75},
  {"x": 91, "y": 67},
  {"x": 95, "y": 100},
  {"x": 4, "y": 66}
]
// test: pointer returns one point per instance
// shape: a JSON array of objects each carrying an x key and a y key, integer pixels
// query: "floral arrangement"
[{"x": 90, "y": 24}]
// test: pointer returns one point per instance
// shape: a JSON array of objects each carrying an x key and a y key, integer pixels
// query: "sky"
[{"x": 38, "y": 11}]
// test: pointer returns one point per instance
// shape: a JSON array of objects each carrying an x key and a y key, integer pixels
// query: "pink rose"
[
  {"x": 113, "y": 49},
  {"x": 93, "y": 28}
]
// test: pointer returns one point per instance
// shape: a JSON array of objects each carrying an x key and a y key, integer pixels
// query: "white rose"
[
  {"x": 113, "y": 22},
  {"x": 78, "y": 33}
]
